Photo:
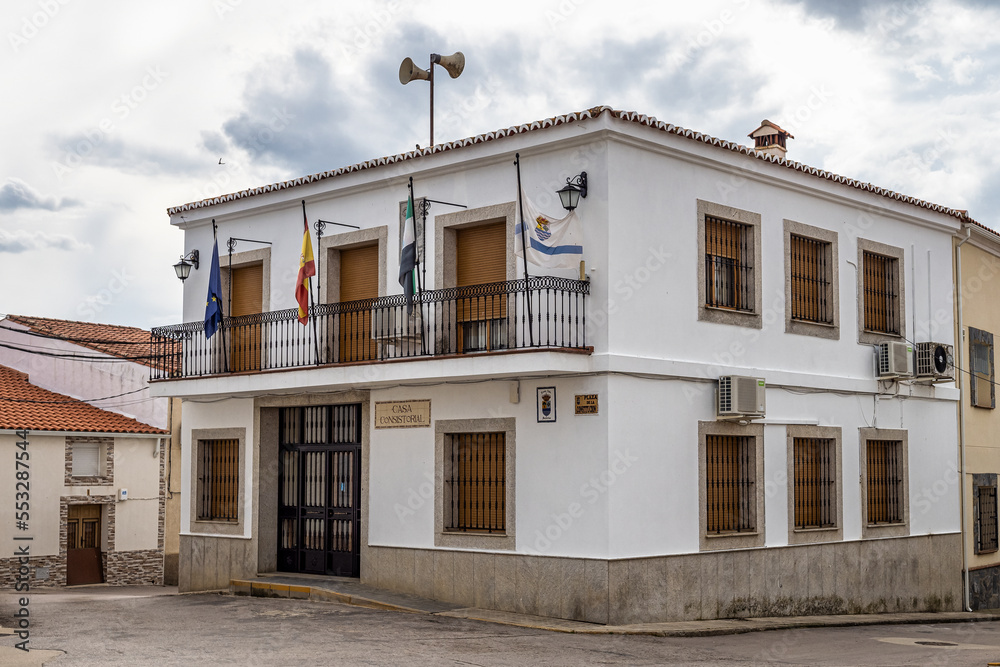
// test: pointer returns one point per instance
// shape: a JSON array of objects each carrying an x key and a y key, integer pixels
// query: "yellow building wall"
[{"x": 980, "y": 260}]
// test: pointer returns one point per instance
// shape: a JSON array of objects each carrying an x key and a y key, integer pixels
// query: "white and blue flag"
[{"x": 551, "y": 243}]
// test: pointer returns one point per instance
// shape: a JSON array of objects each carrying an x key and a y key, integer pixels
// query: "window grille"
[
  {"x": 810, "y": 278},
  {"x": 218, "y": 477},
  {"x": 986, "y": 519},
  {"x": 730, "y": 476},
  {"x": 815, "y": 473},
  {"x": 729, "y": 279},
  {"x": 885, "y": 482},
  {"x": 475, "y": 480},
  {"x": 881, "y": 293},
  {"x": 981, "y": 362}
]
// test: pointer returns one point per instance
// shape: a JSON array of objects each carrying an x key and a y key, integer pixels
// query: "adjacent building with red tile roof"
[
  {"x": 26, "y": 406},
  {"x": 130, "y": 343}
]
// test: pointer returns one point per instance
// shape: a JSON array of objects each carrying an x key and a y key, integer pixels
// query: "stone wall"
[
  {"x": 922, "y": 573},
  {"x": 208, "y": 563},
  {"x": 984, "y": 588}
]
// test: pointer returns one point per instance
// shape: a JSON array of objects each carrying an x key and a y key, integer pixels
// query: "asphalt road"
[{"x": 127, "y": 627}]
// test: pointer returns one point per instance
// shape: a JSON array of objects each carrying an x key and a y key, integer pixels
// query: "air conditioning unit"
[
  {"x": 740, "y": 397},
  {"x": 392, "y": 324},
  {"x": 893, "y": 360},
  {"x": 935, "y": 362}
]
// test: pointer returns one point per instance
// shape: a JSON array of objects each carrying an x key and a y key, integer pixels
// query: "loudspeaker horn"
[
  {"x": 409, "y": 72},
  {"x": 454, "y": 63}
]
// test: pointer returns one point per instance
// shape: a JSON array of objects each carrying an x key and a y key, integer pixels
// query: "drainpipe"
[{"x": 961, "y": 416}]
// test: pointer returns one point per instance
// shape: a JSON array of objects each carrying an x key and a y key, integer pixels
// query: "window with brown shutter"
[
  {"x": 475, "y": 479},
  {"x": 815, "y": 476},
  {"x": 358, "y": 281},
  {"x": 729, "y": 278},
  {"x": 885, "y": 482},
  {"x": 880, "y": 274},
  {"x": 730, "y": 489},
  {"x": 245, "y": 342},
  {"x": 810, "y": 280},
  {"x": 481, "y": 254},
  {"x": 218, "y": 480}
]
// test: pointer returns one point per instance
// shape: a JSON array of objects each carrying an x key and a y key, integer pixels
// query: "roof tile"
[{"x": 26, "y": 406}]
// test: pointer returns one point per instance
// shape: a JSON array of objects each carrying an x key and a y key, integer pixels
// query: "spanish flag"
[{"x": 307, "y": 269}]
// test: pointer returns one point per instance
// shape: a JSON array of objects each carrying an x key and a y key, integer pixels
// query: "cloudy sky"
[{"x": 113, "y": 110}]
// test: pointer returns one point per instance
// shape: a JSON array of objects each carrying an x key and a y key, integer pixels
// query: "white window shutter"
[{"x": 86, "y": 461}]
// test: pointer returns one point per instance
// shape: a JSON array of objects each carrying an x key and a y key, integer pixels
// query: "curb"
[{"x": 708, "y": 628}]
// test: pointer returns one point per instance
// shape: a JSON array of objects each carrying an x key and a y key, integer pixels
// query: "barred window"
[
  {"x": 985, "y": 513},
  {"x": 729, "y": 277},
  {"x": 811, "y": 280},
  {"x": 475, "y": 491},
  {"x": 981, "y": 363},
  {"x": 881, "y": 293},
  {"x": 218, "y": 480},
  {"x": 730, "y": 490},
  {"x": 885, "y": 482},
  {"x": 815, "y": 472}
]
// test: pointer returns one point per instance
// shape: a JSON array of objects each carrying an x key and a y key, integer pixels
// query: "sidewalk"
[{"x": 353, "y": 592}]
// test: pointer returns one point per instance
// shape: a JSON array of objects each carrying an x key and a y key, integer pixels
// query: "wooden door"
[
  {"x": 245, "y": 341},
  {"x": 358, "y": 281},
  {"x": 481, "y": 254},
  {"x": 83, "y": 545}
]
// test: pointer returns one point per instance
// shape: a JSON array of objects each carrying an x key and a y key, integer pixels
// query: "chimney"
[{"x": 770, "y": 139}]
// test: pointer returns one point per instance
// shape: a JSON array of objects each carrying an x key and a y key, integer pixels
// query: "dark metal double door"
[{"x": 319, "y": 491}]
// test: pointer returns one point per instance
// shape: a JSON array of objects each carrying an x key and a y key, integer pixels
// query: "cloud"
[
  {"x": 296, "y": 116},
  {"x": 21, "y": 240},
  {"x": 99, "y": 150},
  {"x": 15, "y": 194},
  {"x": 849, "y": 14}
]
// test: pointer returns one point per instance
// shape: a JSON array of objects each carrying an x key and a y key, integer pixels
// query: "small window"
[
  {"x": 814, "y": 486},
  {"x": 983, "y": 391},
  {"x": 885, "y": 482},
  {"x": 810, "y": 280},
  {"x": 86, "y": 459},
  {"x": 475, "y": 482},
  {"x": 729, "y": 271},
  {"x": 218, "y": 480},
  {"x": 881, "y": 294},
  {"x": 730, "y": 484},
  {"x": 984, "y": 499}
]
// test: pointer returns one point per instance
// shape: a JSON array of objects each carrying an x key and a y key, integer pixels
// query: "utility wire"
[{"x": 71, "y": 401}]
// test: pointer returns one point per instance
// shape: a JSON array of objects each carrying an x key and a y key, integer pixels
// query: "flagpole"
[
  {"x": 417, "y": 264},
  {"x": 222, "y": 324},
  {"x": 312, "y": 301},
  {"x": 524, "y": 249}
]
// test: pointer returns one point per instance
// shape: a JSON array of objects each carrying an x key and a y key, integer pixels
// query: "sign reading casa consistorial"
[{"x": 402, "y": 414}]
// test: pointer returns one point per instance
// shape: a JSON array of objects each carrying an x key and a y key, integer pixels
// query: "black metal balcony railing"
[{"x": 540, "y": 312}]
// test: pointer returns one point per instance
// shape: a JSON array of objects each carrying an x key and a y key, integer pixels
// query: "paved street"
[{"x": 107, "y": 626}]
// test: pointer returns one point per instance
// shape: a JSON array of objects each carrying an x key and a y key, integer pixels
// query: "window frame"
[
  {"x": 745, "y": 318},
  {"x": 822, "y": 534},
  {"x": 901, "y": 528},
  {"x": 831, "y": 329},
  {"x": 984, "y": 481},
  {"x": 869, "y": 336},
  {"x": 711, "y": 541},
  {"x": 980, "y": 338},
  {"x": 444, "y": 537},
  {"x": 214, "y": 526},
  {"x": 105, "y": 462}
]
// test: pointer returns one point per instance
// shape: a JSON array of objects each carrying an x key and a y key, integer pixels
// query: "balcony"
[{"x": 540, "y": 313}]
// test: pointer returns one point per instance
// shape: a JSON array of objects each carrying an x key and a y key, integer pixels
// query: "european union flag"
[{"x": 213, "y": 304}]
